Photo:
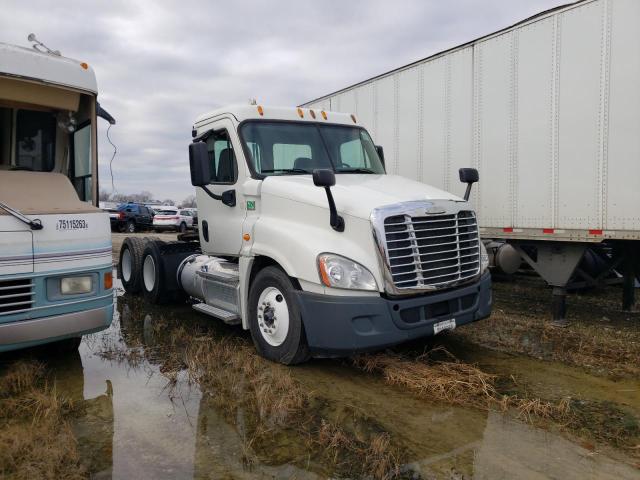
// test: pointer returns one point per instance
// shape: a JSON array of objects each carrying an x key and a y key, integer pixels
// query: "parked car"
[
  {"x": 194, "y": 214},
  {"x": 172, "y": 218},
  {"x": 131, "y": 218},
  {"x": 113, "y": 216}
]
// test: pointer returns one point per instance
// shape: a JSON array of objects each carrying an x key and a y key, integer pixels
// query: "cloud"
[{"x": 160, "y": 64}]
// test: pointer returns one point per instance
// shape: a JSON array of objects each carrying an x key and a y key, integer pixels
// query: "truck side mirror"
[
  {"x": 199, "y": 164},
  {"x": 326, "y": 178},
  {"x": 468, "y": 176},
  {"x": 380, "y": 151}
]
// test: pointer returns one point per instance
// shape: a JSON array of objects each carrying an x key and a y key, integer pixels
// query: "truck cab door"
[{"x": 221, "y": 223}]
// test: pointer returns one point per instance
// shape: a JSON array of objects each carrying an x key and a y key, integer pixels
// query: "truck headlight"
[
  {"x": 75, "y": 285},
  {"x": 340, "y": 272},
  {"x": 484, "y": 258}
]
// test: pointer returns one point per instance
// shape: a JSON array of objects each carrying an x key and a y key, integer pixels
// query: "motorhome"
[{"x": 55, "y": 244}]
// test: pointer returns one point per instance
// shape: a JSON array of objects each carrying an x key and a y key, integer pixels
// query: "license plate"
[{"x": 444, "y": 325}]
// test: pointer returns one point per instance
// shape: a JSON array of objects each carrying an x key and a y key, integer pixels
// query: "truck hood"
[{"x": 355, "y": 194}]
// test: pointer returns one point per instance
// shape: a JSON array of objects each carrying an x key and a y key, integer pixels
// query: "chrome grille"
[
  {"x": 16, "y": 296},
  {"x": 432, "y": 251}
]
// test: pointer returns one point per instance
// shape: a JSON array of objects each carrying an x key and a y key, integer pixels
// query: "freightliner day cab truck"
[
  {"x": 55, "y": 245},
  {"x": 306, "y": 241}
]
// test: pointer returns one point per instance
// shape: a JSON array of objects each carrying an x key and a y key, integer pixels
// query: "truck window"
[
  {"x": 223, "y": 158},
  {"x": 352, "y": 154},
  {"x": 35, "y": 140},
  {"x": 285, "y": 146},
  {"x": 286, "y": 154},
  {"x": 82, "y": 162}
]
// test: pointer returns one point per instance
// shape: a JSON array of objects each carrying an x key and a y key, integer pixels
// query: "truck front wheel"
[{"x": 274, "y": 318}]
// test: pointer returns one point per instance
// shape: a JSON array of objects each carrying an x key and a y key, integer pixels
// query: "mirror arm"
[
  {"x": 231, "y": 202},
  {"x": 335, "y": 220},
  {"x": 467, "y": 193}
]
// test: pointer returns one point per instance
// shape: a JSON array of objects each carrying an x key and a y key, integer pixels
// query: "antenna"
[{"x": 41, "y": 47}]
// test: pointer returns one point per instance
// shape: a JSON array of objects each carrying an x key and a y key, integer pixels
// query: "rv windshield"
[{"x": 290, "y": 148}]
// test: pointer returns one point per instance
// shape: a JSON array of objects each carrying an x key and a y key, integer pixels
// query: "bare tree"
[
  {"x": 189, "y": 202},
  {"x": 104, "y": 196},
  {"x": 168, "y": 201}
]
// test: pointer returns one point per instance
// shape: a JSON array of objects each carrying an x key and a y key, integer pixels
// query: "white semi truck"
[
  {"x": 306, "y": 241},
  {"x": 548, "y": 111},
  {"x": 55, "y": 244}
]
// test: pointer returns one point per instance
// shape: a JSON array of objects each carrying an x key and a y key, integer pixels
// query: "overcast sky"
[{"x": 160, "y": 64}]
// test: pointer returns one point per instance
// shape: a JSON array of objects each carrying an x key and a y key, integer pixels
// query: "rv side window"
[
  {"x": 223, "y": 159},
  {"x": 82, "y": 162},
  {"x": 35, "y": 140},
  {"x": 5, "y": 137}
]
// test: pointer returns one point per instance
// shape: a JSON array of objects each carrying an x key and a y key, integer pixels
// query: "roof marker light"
[
  {"x": 260, "y": 110},
  {"x": 300, "y": 112},
  {"x": 313, "y": 114},
  {"x": 84, "y": 65},
  {"x": 324, "y": 114},
  {"x": 353, "y": 117}
]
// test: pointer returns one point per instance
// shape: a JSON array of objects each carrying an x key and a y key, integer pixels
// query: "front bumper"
[
  {"x": 27, "y": 333},
  {"x": 340, "y": 326}
]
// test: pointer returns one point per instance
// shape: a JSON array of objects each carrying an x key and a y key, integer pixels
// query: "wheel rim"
[
  {"x": 126, "y": 265},
  {"x": 132, "y": 228},
  {"x": 149, "y": 273},
  {"x": 273, "y": 316}
]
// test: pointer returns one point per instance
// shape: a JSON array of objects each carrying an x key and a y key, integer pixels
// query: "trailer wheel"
[
  {"x": 153, "y": 282},
  {"x": 130, "y": 263},
  {"x": 274, "y": 318}
]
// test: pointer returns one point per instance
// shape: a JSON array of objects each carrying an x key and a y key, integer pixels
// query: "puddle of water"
[{"x": 144, "y": 418}]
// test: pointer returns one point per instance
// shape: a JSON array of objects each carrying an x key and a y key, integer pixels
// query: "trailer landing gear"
[{"x": 558, "y": 263}]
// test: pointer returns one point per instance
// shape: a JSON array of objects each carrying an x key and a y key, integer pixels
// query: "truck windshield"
[{"x": 289, "y": 148}]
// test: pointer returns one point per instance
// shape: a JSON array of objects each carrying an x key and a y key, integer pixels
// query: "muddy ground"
[{"x": 169, "y": 393}]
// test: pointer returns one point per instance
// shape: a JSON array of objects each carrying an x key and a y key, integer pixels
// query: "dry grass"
[
  {"x": 456, "y": 382},
  {"x": 36, "y": 440},
  {"x": 235, "y": 377},
  {"x": 377, "y": 458},
  {"x": 600, "y": 339}
]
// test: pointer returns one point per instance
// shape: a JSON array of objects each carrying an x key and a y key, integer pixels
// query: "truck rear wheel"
[
  {"x": 130, "y": 262},
  {"x": 274, "y": 318},
  {"x": 152, "y": 273}
]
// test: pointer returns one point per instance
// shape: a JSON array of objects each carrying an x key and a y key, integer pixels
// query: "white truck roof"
[
  {"x": 46, "y": 67},
  {"x": 267, "y": 112}
]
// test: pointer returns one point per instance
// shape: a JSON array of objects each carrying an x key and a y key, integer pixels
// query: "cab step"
[{"x": 227, "y": 317}]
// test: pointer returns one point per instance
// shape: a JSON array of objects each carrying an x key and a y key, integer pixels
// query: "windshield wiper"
[
  {"x": 355, "y": 170},
  {"x": 34, "y": 224},
  {"x": 286, "y": 170}
]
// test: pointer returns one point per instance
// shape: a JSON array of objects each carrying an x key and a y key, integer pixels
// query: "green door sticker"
[{"x": 251, "y": 205}]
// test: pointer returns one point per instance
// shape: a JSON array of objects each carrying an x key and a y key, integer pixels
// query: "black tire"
[
  {"x": 294, "y": 348},
  {"x": 182, "y": 228},
  {"x": 129, "y": 266},
  {"x": 131, "y": 227},
  {"x": 152, "y": 275}
]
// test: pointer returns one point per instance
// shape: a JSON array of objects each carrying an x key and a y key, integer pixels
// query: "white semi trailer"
[
  {"x": 306, "y": 241},
  {"x": 548, "y": 111}
]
